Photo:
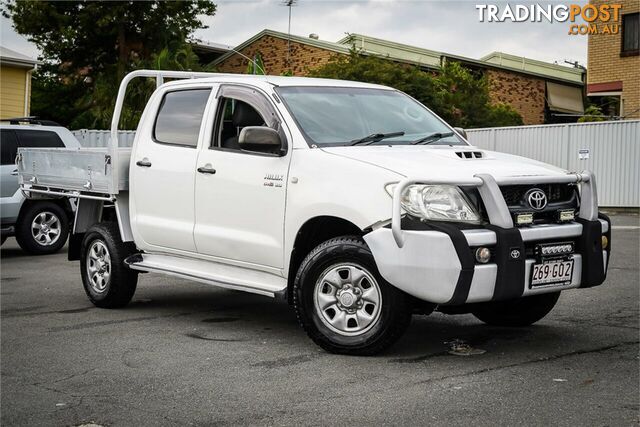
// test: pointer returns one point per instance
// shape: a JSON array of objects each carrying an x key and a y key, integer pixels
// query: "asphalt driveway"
[{"x": 184, "y": 353}]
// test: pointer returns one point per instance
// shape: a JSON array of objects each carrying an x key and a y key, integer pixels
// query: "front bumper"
[{"x": 434, "y": 261}]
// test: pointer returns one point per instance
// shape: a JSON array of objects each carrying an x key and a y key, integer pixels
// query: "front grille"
[
  {"x": 556, "y": 193},
  {"x": 559, "y": 197}
]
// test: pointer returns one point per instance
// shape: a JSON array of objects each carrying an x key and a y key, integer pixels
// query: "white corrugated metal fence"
[
  {"x": 610, "y": 149},
  {"x": 100, "y": 138}
]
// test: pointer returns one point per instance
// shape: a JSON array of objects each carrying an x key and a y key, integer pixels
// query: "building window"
[
  {"x": 610, "y": 106},
  {"x": 630, "y": 35}
]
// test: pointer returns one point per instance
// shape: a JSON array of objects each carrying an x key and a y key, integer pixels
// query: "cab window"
[
  {"x": 233, "y": 117},
  {"x": 180, "y": 116}
]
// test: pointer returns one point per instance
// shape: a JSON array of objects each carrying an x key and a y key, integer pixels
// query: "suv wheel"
[
  {"x": 108, "y": 282},
  {"x": 521, "y": 312},
  {"x": 43, "y": 228},
  {"x": 344, "y": 304}
]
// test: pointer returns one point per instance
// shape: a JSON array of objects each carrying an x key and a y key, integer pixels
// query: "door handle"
[
  {"x": 14, "y": 173},
  {"x": 145, "y": 163},
  {"x": 207, "y": 169}
]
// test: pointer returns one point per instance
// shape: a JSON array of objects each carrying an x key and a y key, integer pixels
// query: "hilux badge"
[{"x": 273, "y": 180}]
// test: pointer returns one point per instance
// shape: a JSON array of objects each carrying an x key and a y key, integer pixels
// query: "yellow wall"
[
  {"x": 605, "y": 64},
  {"x": 13, "y": 84}
]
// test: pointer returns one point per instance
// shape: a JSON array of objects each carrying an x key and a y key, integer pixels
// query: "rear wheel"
[
  {"x": 344, "y": 304},
  {"x": 43, "y": 228},
  {"x": 108, "y": 282},
  {"x": 521, "y": 312}
]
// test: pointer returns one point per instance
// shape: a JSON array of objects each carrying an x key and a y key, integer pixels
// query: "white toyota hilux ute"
[{"x": 353, "y": 201}]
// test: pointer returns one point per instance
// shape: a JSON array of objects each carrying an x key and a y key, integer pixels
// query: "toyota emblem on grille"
[{"x": 536, "y": 199}]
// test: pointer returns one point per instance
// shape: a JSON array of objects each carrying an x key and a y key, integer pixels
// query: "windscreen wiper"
[
  {"x": 432, "y": 138},
  {"x": 375, "y": 137}
]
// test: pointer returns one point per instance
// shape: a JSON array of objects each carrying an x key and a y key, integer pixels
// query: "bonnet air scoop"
[{"x": 470, "y": 154}]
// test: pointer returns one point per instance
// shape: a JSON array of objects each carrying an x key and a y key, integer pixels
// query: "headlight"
[{"x": 436, "y": 203}]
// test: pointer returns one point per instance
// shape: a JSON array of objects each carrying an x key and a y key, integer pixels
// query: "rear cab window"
[{"x": 180, "y": 117}]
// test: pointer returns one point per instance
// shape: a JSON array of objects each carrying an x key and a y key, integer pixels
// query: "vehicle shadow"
[
  {"x": 11, "y": 252},
  {"x": 431, "y": 336},
  {"x": 225, "y": 311},
  {"x": 10, "y": 249},
  {"x": 239, "y": 315}
]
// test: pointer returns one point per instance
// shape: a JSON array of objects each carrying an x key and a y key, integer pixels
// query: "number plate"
[{"x": 552, "y": 272}]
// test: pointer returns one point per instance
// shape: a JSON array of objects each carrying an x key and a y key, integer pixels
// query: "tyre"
[
  {"x": 108, "y": 282},
  {"x": 42, "y": 228},
  {"x": 516, "y": 313},
  {"x": 344, "y": 304}
]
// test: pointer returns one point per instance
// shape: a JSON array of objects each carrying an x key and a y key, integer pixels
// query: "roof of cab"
[{"x": 260, "y": 80}]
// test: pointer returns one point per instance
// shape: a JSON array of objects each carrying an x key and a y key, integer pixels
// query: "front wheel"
[
  {"x": 521, "y": 312},
  {"x": 344, "y": 304},
  {"x": 108, "y": 282}
]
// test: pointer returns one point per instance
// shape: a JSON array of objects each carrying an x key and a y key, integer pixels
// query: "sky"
[{"x": 448, "y": 26}]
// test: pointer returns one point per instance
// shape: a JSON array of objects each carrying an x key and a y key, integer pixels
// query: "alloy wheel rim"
[
  {"x": 347, "y": 299},
  {"x": 98, "y": 266},
  {"x": 46, "y": 228}
]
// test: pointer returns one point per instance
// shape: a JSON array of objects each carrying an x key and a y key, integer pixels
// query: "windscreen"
[{"x": 334, "y": 116}]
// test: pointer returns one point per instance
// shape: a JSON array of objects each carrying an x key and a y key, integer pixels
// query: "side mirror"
[
  {"x": 259, "y": 137},
  {"x": 461, "y": 132}
]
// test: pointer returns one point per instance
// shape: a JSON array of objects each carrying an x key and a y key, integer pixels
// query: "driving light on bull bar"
[
  {"x": 524, "y": 219},
  {"x": 556, "y": 249},
  {"x": 605, "y": 242},
  {"x": 483, "y": 255},
  {"x": 436, "y": 203},
  {"x": 566, "y": 215}
]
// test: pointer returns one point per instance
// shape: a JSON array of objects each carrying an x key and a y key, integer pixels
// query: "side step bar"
[{"x": 211, "y": 273}]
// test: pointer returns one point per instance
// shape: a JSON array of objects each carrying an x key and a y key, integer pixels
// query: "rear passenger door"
[
  {"x": 8, "y": 168},
  {"x": 11, "y": 140},
  {"x": 162, "y": 171}
]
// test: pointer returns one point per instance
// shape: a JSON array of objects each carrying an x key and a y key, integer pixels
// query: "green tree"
[
  {"x": 256, "y": 65},
  {"x": 464, "y": 100},
  {"x": 372, "y": 69},
  {"x": 455, "y": 93},
  {"x": 89, "y": 46},
  {"x": 592, "y": 113}
]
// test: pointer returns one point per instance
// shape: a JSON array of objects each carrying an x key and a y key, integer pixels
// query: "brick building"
[
  {"x": 613, "y": 80},
  {"x": 541, "y": 92}
]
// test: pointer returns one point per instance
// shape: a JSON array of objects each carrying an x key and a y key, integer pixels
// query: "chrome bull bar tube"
[{"x": 496, "y": 207}]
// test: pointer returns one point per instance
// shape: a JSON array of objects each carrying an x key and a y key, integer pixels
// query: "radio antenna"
[{"x": 289, "y": 4}]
